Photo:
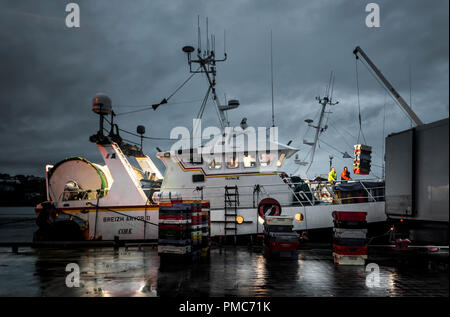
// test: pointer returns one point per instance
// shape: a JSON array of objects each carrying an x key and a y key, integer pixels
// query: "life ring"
[
  {"x": 284, "y": 177},
  {"x": 269, "y": 207}
]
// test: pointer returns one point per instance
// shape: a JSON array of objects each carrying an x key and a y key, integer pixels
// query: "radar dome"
[{"x": 101, "y": 104}]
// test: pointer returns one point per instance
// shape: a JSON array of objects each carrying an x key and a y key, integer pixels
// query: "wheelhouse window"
[
  {"x": 281, "y": 159},
  {"x": 249, "y": 160},
  {"x": 195, "y": 157},
  {"x": 265, "y": 159},
  {"x": 215, "y": 162},
  {"x": 232, "y": 161},
  {"x": 190, "y": 157}
]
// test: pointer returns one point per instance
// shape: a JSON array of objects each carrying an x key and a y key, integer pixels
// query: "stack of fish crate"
[
  {"x": 349, "y": 237},
  {"x": 279, "y": 239},
  {"x": 196, "y": 229},
  {"x": 180, "y": 229},
  {"x": 362, "y": 160},
  {"x": 206, "y": 229}
]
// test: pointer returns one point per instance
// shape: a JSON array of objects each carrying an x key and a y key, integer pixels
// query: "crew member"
[
  {"x": 345, "y": 175},
  {"x": 332, "y": 175}
]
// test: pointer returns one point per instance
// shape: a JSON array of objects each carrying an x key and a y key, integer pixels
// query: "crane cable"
[{"x": 359, "y": 105}]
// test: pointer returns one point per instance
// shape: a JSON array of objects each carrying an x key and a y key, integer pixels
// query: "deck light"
[
  {"x": 260, "y": 220},
  {"x": 239, "y": 219},
  {"x": 299, "y": 217}
]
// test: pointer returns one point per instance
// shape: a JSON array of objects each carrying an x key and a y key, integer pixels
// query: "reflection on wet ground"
[
  {"x": 233, "y": 271},
  {"x": 230, "y": 272}
]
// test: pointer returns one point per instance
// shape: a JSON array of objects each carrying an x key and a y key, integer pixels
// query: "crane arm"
[{"x": 388, "y": 85}]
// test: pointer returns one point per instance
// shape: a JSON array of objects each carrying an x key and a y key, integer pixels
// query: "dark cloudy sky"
[{"x": 131, "y": 50}]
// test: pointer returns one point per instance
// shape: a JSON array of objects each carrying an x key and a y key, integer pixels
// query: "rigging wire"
[
  {"x": 359, "y": 104},
  {"x": 144, "y": 106},
  {"x": 343, "y": 153},
  {"x": 184, "y": 83},
  {"x": 136, "y": 135},
  {"x": 150, "y": 138},
  {"x": 343, "y": 138},
  {"x": 371, "y": 172},
  {"x": 346, "y": 131},
  {"x": 384, "y": 87},
  {"x": 129, "y": 141},
  {"x": 165, "y": 100},
  {"x": 336, "y": 149},
  {"x": 202, "y": 107},
  {"x": 218, "y": 114}
]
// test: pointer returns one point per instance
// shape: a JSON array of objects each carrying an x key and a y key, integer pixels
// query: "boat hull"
[
  {"x": 110, "y": 223},
  {"x": 314, "y": 217}
]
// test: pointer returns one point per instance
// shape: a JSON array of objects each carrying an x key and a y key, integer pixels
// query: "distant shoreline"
[
  {"x": 21, "y": 190},
  {"x": 18, "y": 204}
]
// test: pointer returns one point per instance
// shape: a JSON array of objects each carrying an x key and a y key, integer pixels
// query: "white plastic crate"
[
  {"x": 278, "y": 220},
  {"x": 172, "y": 249},
  {"x": 349, "y": 259},
  {"x": 345, "y": 233}
]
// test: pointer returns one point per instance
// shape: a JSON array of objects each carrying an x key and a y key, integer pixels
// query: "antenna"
[
  {"x": 199, "y": 48},
  {"x": 224, "y": 44},
  {"x": 332, "y": 86},
  {"x": 207, "y": 65},
  {"x": 141, "y": 130},
  {"x": 271, "y": 78},
  {"x": 207, "y": 37}
]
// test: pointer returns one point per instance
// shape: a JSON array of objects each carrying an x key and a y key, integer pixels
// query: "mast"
[
  {"x": 206, "y": 60},
  {"x": 324, "y": 102}
]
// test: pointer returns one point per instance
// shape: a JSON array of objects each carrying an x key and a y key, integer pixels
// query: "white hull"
[
  {"x": 126, "y": 227},
  {"x": 315, "y": 217},
  {"x": 130, "y": 226},
  {"x": 139, "y": 223}
]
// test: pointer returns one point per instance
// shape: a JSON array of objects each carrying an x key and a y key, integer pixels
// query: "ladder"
[{"x": 231, "y": 203}]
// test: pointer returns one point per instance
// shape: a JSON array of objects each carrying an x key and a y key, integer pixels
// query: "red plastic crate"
[
  {"x": 283, "y": 246},
  {"x": 173, "y": 227},
  {"x": 174, "y": 217},
  {"x": 205, "y": 204},
  {"x": 349, "y": 215},
  {"x": 360, "y": 171},
  {"x": 346, "y": 250}
]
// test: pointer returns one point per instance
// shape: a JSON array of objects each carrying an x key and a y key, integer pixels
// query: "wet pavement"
[{"x": 231, "y": 271}]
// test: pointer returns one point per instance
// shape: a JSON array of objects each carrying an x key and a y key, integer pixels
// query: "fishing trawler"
[{"x": 243, "y": 181}]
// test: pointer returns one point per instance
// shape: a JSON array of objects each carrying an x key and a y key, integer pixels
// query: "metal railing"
[
  {"x": 320, "y": 189},
  {"x": 319, "y": 192}
]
